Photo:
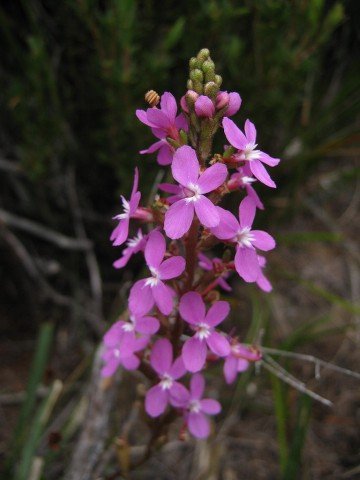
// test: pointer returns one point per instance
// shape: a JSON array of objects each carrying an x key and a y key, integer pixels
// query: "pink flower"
[
  {"x": 243, "y": 179},
  {"x": 168, "y": 390},
  {"x": 152, "y": 290},
  {"x": 134, "y": 245},
  {"x": 262, "y": 281},
  {"x": 204, "y": 107},
  {"x": 198, "y": 408},
  {"x": 164, "y": 123},
  {"x": 238, "y": 360},
  {"x": 121, "y": 232},
  {"x": 192, "y": 310},
  {"x": 216, "y": 265},
  {"x": 233, "y": 100},
  {"x": 247, "y": 240},
  {"x": 186, "y": 171},
  {"x": 117, "y": 352},
  {"x": 246, "y": 146}
]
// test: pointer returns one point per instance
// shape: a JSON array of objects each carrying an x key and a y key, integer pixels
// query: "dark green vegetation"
[{"x": 72, "y": 74}]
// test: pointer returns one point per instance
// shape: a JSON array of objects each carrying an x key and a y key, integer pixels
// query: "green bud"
[
  {"x": 194, "y": 63},
  {"x": 173, "y": 142},
  {"x": 218, "y": 80},
  {"x": 203, "y": 55},
  {"x": 229, "y": 152},
  {"x": 190, "y": 85},
  {"x": 208, "y": 68},
  {"x": 197, "y": 75},
  {"x": 211, "y": 89}
]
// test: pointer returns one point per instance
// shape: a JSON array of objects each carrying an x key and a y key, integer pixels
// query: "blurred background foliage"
[{"x": 73, "y": 73}]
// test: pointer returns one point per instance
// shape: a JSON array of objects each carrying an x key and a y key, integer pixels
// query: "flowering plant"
[{"x": 171, "y": 331}]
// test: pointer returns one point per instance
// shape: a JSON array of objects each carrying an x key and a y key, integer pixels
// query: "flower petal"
[
  {"x": 192, "y": 307},
  {"x": 141, "y": 299},
  {"x": 172, "y": 267},
  {"x": 142, "y": 116},
  {"x": 153, "y": 148},
  {"x": 147, "y": 325},
  {"x": 178, "y": 395},
  {"x": 177, "y": 369},
  {"x": 247, "y": 264},
  {"x": 207, "y": 212},
  {"x": 168, "y": 105},
  {"x": 158, "y": 118},
  {"x": 263, "y": 283},
  {"x": 210, "y": 406},
  {"x": 161, "y": 356},
  {"x": 165, "y": 155},
  {"x": 194, "y": 354},
  {"x": 217, "y": 313},
  {"x": 197, "y": 386},
  {"x": 234, "y": 135},
  {"x": 185, "y": 166},
  {"x": 131, "y": 362},
  {"x": 163, "y": 296},
  {"x": 262, "y": 240},
  {"x": 120, "y": 233},
  {"x": 228, "y": 225},
  {"x": 265, "y": 158},
  {"x": 250, "y": 131},
  {"x": 156, "y": 401},
  {"x": 199, "y": 425},
  {"x": 261, "y": 174},
  {"x": 155, "y": 249},
  {"x": 178, "y": 219},
  {"x": 218, "y": 344},
  {"x": 230, "y": 368},
  {"x": 247, "y": 210},
  {"x": 212, "y": 178}
]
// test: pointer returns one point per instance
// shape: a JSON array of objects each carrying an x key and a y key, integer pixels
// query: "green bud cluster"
[{"x": 202, "y": 77}]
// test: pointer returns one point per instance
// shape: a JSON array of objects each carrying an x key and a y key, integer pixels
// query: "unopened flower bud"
[
  {"x": 211, "y": 89},
  {"x": 204, "y": 107},
  {"x": 234, "y": 104},
  {"x": 197, "y": 75},
  {"x": 208, "y": 67},
  {"x": 212, "y": 296},
  {"x": 218, "y": 80},
  {"x": 203, "y": 55},
  {"x": 194, "y": 63},
  {"x": 222, "y": 100},
  {"x": 183, "y": 104},
  {"x": 190, "y": 85},
  {"x": 191, "y": 97}
]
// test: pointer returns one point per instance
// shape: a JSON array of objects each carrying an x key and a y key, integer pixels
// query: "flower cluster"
[{"x": 171, "y": 330}]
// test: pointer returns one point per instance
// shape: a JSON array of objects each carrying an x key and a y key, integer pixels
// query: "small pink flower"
[
  {"x": 164, "y": 123},
  {"x": 192, "y": 310},
  {"x": 168, "y": 390},
  {"x": 152, "y": 290},
  {"x": 246, "y": 146},
  {"x": 243, "y": 179},
  {"x": 134, "y": 245},
  {"x": 186, "y": 171},
  {"x": 247, "y": 240},
  {"x": 216, "y": 265},
  {"x": 121, "y": 232},
  {"x": 232, "y": 99},
  {"x": 204, "y": 107},
  {"x": 238, "y": 360},
  {"x": 198, "y": 408},
  {"x": 119, "y": 352}
]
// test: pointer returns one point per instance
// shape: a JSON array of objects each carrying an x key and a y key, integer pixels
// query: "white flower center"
[
  {"x": 244, "y": 237},
  {"x": 133, "y": 242},
  {"x": 154, "y": 280},
  {"x": 248, "y": 153},
  {"x": 166, "y": 381},
  {"x": 195, "y": 406},
  {"x": 129, "y": 326},
  {"x": 248, "y": 180},
  {"x": 193, "y": 192},
  {"x": 126, "y": 208},
  {"x": 202, "y": 331}
]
